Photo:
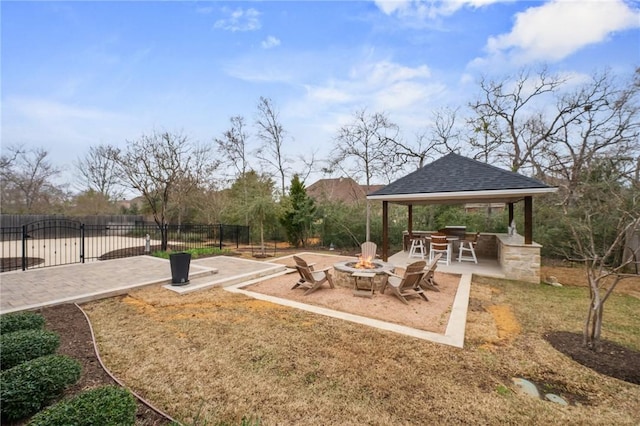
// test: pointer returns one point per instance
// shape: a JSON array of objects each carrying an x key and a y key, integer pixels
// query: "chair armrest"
[
  {"x": 323, "y": 269},
  {"x": 391, "y": 274}
]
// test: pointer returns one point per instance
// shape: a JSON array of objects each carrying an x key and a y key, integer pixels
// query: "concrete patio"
[{"x": 485, "y": 267}]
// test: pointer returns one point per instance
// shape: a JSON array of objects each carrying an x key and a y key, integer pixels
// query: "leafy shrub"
[
  {"x": 20, "y": 321},
  {"x": 195, "y": 252},
  {"x": 27, "y": 387},
  {"x": 107, "y": 405},
  {"x": 24, "y": 345}
]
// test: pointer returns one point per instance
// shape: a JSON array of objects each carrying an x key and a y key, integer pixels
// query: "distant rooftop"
[{"x": 345, "y": 190}]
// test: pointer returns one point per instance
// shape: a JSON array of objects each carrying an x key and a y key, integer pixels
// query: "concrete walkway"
[{"x": 35, "y": 288}]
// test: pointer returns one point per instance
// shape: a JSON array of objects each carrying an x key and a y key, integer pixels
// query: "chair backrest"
[
  {"x": 303, "y": 269},
  {"x": 368, "y": 250},
  {"x": 473, "y": 238},
  {"x": 433, "y": 264},
  {"x": 429, "y": 272},
  {"x": 439, "y": 242},
  {"x": 412, "y": 275}
]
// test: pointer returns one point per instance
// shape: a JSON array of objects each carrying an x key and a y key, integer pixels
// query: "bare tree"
[
  {"x": 271, "y": 133},
  {"x": 484, "y": 140},
  {"x": 364, "y": 147},
  {"x": 26, "y": 180},
  {"x": 440, "y": 138},
  {"x": 311, "y": 164},
  {"x": 183, "y": 203},
  {"x": 91, "y": 202},
  {"x": 599, "y": 220},
  {"x": 156, "y": 164},
  {"x": 98, "y": 172},
  {"x": 212, "y": 202},
  {"x": 514, "y": 111},
  {"x": 233, "y": 147},
  {"x": 608, "y": 124}
]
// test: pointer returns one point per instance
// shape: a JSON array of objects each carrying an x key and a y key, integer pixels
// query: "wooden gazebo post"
[
  {"x": 385, "y": 231},
  {"x": 510, "y": 214},
  {"x": 528, "y": 219}
]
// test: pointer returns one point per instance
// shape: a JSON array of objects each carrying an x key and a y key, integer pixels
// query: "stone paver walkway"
[{"x": 34, "y": 288}]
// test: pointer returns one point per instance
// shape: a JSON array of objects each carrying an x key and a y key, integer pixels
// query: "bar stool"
[
  {"x": 417, "y": 248},
  {"x": 468, "y": 245},
  {"x": 439, "y": 244}
]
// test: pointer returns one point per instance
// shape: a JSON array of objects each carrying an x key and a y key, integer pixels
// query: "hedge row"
[
  {"x": 27, "y": 387},
  {"x": 32, "y": 377},
  {"x": 23, "y": 345},
  {"x": 20, "y": 321},
  {"x": 108, "y": 405}
]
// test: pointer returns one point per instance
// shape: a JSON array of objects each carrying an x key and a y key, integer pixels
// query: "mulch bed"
[
  {"x": 75, "y": 341},
  {"x": 613, "y": 360}
]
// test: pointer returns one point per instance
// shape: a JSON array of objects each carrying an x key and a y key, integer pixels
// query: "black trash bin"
[{"x": 180, "y": 268}]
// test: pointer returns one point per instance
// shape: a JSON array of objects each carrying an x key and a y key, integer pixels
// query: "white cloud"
[
  {"x": 382, "y": 86},
  {"x": 205, "y": 10},
  {"x": 270, "y": 42},
  {"x": 63, "y": 129},
  {"x": 259, "y": 71},
  {"x": 388, "y": 7},
  {"x": 559, "y": 28},
  {"x": 400, "y": 95},
  {"x": 328, "y": 94},
  {"x": 239, "y": 20},
  {"x": 429, "y": 9},
  {"x": 387, "y": 72},
  {"x": 47, "y": 110}
]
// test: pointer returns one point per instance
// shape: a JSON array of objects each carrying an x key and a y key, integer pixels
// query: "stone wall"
[
  {"x": 519, "y": 261},
  {"x": 487, "y": 246}
]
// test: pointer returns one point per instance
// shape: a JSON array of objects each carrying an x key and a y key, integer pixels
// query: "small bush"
[
  {"x": 20, "y": 321},
  {"x": 27, "y": 387},
  {"x": 23, "y": 345},
  {"x": 195, "y": 252},
  {"x": 107, "y": 405}
]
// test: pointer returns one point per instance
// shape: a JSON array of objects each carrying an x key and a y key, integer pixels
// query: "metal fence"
[
  {"x": 59, "y": 241},
  {"x": 16, "y": 220}
]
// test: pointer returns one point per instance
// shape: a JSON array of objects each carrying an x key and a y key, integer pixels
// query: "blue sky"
[{"x": 82, "y": 73}]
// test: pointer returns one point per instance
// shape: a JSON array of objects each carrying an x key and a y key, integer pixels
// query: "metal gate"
[
  {"x": 60, "y": 241},
  {"x": 56, "y": 241}
]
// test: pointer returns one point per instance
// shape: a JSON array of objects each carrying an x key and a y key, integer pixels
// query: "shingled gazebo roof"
[{"x": 456, "y": 179}]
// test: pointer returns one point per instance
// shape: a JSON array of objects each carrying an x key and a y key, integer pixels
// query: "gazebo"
[{"x": 455, "y": 179}]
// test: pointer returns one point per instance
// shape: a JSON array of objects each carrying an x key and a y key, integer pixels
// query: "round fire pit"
[{"x": 343, "y": 271}]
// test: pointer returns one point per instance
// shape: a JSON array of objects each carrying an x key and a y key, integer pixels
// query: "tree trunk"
[
  {"x": 163, "y": 237},
  {"x": 368, "y": 234},
  {"x": 593, "y": 324}
]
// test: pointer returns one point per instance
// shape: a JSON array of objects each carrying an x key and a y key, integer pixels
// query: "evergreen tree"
[{"x": 298, "y": 213}]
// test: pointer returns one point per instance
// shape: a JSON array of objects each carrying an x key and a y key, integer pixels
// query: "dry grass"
[
  {"x": 575, "y": 276},
  {"x": 222, "y": 356}
]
